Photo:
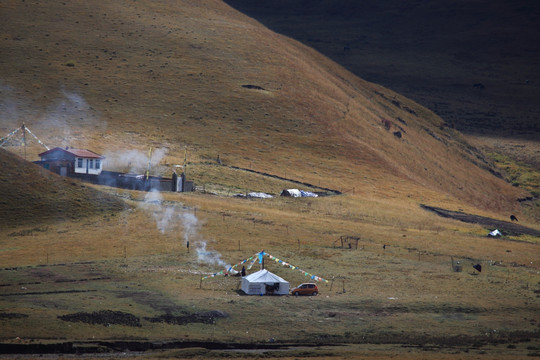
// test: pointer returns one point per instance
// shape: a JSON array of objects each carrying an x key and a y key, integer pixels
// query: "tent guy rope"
[
  {"x": 259, "y": 256},
  {"x": 24, "y": 128}
]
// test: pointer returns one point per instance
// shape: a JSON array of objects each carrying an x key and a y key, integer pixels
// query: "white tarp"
[
  {"x": 291, "y": 192},
  {"x": 298, "y": 193},
  {"x": 263, "y": 282},
  {"x": 495, "y": 233},
  {"x": 259, "y": 195},
  {"x": 308, "y": 194}
]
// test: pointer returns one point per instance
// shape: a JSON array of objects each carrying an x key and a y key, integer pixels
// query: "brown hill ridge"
[
  {"x": 31, "y": 194},
  {"x": 473, "y": 62},
  {"x": 115, "y": 75}
]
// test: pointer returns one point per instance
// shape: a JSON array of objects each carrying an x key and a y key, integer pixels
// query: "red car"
[{"x": 305, "y": 289}]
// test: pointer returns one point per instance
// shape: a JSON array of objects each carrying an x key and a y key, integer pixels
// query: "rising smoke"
[
  {"x": 65, "y": 118},
  {"x": 10, "y": 107},
  {"x": 69, "y": 112},
  {"x": 173, "y": 219},
  {"x": 60, "y": 123},
  {"x": 210, "y": 257},
  {"x": 133, "y": 161}
]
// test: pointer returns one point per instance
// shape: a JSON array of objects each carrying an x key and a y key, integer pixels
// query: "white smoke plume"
[
  {"x": 191, "y": 231},
  {"x": 11, "y": 108},
  {"x": 173, "y": 219},
  {"x": 167, "y": 217},
  {"x": 211, "y": 257},
  {"x": 64, "y": 111},
  {"x": 71, "y": 111},
  {"x": 75, "y": 101},
  {"x": 133, "y": 161},
  {"x": 191, "y": 226},
  {"x": 164, "y": 216}
]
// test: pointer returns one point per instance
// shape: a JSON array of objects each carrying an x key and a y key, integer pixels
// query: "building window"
[
  {"x": 79, "y": 163},
  {"x": 91, "y": 163},
  {"x": 98, "y": 164}
]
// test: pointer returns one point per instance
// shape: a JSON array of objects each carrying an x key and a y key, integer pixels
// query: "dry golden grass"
[
  {"x": 431, "y": 53},
  {"x": 170, "y": 76},
  {"x": 33, "y": 196},
  {"x": 407, "y": 290}
]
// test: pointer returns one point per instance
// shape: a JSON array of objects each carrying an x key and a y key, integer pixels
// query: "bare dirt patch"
[
  {"x": 103, "y": 317},
  {"x": 12, "y": 316},
  {"x": 507, "y": 228},
  {"x": 208, "y": 317}
]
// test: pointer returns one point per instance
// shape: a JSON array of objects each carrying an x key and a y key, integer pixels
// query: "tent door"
[{"x": 272, "y": 289}]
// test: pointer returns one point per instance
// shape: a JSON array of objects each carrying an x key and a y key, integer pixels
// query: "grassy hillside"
[
  {"x": 33, "y": 195},
  {"x": 121, "y": 77},
  {"x": 432, "y": 52},
  {"x": 171, "y": 75}
]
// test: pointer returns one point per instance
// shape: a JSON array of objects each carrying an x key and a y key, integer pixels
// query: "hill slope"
[
  {"x": 170, "y": 75},
  {"x": 31, "y": 194},
  {"x": 432, "y": 52},
  {"x": 474, "y": 63}
]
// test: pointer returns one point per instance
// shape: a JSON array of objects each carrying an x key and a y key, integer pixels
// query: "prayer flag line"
[{"x": 259, "y": 257}]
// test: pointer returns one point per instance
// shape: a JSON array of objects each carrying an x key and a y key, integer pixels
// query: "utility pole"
[
  {"x": 185, "y": 162},
  {"x": 149, "y": 160},
  {"x": 24, "y": 139}
]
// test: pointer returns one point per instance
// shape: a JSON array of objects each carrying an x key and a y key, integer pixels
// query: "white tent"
[
  {"x": 298, "y": 193},
  {"x": 263, "y": 282},
  {"x": 291, "y": 192},
  {"x": 495, "y": 233}
]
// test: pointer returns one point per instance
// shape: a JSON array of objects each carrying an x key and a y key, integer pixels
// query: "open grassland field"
[
  {"x": 86, "y": 269},
  {"x": 129, "y": 277}
]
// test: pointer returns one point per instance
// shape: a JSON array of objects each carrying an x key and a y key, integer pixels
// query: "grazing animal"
[
  {"x": 513, "y": 218},
  {"x": 386, "y": 123}
]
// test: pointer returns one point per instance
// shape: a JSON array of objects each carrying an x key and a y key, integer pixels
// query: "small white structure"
[
  {"x": 69, "y": 160},
  {"x": 495, "y": 233},
  {"x": 263, "y": 282},
  {"x": 259, "y": 195},
  {"x": 298, "y": 193},
  {"x": 291, "y": 192}
]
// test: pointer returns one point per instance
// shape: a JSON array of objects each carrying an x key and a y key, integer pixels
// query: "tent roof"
[{"x": 264, "y": 276}]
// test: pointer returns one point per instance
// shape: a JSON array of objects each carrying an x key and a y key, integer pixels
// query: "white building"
[{"x": 69, "y": 161}]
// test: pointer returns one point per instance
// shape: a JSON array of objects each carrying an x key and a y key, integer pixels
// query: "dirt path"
[
  {"x": 507, "y": 228},
  {"x": 325, "y": 192}
]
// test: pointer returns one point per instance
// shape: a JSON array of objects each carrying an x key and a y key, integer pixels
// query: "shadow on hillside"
[
  {"x": 507, "y": 228},
  {"x": 472, "y": 63}
]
